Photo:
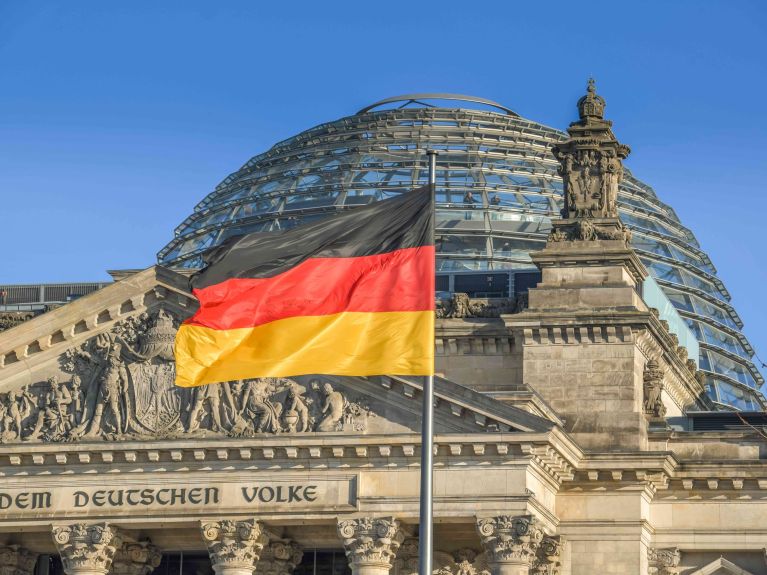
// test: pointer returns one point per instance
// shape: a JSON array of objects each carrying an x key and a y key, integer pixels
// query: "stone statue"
[
  {"x": 591, "y": 169},
  {"x": 332, "y": 409},
  {"x": 653, "y": 388}
]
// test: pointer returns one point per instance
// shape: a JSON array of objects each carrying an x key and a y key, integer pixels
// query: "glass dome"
[{"x": 497, "y": 190}]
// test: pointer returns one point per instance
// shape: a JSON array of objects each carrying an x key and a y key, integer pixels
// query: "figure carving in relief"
[
  {"x": 258, "y": 406},
  {"x": 112, "y": 390},
  {"x": 78, "y": 400},
  {"x": 296, "y": 413},
  {"x": 14, "y": 407},
  {"x": 332, "y": 409},
  {"x": 209, "y": 395}
]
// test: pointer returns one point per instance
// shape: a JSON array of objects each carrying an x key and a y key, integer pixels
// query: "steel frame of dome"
[{"x": 497, "y": 190}]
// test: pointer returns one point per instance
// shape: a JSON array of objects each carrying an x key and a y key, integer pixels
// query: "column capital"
[
  {"x": 16, "y": 560},
  {"x": 136, "y": 558},
  {"x": 279, "y": 558},
  {"x": 510, "y": 539},
  {"x": 234, "y": 546},
  {"x": 548, "y": 557},
  {"x": 86, "y": 549},
  {"x": 371, "y": 542}
]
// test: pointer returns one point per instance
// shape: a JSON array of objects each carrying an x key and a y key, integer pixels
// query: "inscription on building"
[{"x": 268, "y": 495}]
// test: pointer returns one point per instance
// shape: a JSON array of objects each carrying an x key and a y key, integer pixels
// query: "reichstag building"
[{"x": 597, "y": 409}]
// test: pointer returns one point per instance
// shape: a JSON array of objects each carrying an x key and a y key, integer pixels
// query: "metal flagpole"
[{"x": 426, "y": 527}]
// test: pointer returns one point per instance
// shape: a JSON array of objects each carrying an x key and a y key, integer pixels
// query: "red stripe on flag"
[{"x": 402, "y": 280}]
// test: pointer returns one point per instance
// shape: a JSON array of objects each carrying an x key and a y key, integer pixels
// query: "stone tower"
[{"x": 587, "y": 335}]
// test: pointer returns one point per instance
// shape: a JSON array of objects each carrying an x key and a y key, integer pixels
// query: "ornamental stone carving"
[
  {"x": 136, "y": 558},
  {"x": 86, "y": 549},
  {"x": 663, "y": 561},
  {"x": 653, "y": 388},
  {"x": 279, "y": 558},
  {"x": 16, "y": 560},
  {"x": 406, "y": 562},
  {"x": 459, "y": 305},
  {"x": 591, "y": 168},
  {"x": 371, "y": 544},
  {"x": 548, "y": 556},
  {"x": 119, "y": 385},
  {"x": 234, "y": 546},
  {"x": 510, "y": 540}
]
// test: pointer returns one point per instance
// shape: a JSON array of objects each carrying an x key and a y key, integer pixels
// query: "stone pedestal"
[
  {"x": 371, "y": 544},
  {"x": 16, "y": 560},
  {"x": 86, "y": 549},
  {"x": 580, "y": 338},
  {"x": 234, "y": 546}
]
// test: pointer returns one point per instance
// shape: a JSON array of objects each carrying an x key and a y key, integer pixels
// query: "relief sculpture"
[{"x": 120, "y": 385}]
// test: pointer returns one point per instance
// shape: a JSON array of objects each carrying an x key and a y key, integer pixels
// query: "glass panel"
[
  {"x": 515, "y": 247},
  {"x": 316, "y": 200},
  {"x": 648, "y": 244},
  {"x": 726, "y": 366},
  {"x": 705, "y": 308},
  {"x": 665, "y": 272},
  {"x": 736, "y": 396},
  {"x": 721, "y": 339},
  {"x": 680, "y": 300},
  {"x": 462, "y": 245},
  {"x": 460, "y": 219}
]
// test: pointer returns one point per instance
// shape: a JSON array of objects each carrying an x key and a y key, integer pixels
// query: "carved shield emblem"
[{"x": 155, "y": 397}]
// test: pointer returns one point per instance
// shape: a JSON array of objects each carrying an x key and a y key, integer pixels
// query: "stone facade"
[{"x": 555, "y": 452}]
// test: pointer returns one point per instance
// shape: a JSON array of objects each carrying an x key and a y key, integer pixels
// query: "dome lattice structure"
[{"x": 497, "y": 190}]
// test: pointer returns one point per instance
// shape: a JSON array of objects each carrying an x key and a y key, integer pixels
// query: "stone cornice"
[
  {"x": 553, "y": 454},
  {"x": 631, "y": 326},
  {"x": 38, "y": 340}
]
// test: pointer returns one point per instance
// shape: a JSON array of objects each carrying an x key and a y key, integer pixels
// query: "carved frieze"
[
  {"x": 371, "y": 541},
  {"x": 120, "y": 385},
  {"x": 234, "y": 545},
  {"x": 510, "y": 539},
  {"x": 86, "y": 547},
  {"x": 16, "y": 560}
]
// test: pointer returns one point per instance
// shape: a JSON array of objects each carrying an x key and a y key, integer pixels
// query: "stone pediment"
[
  {"x": 101, "y": 368},
  {"x": 721, "y": 566}
]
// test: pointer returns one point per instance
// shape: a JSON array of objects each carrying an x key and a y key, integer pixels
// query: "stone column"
[
  {"x": 279, "y": 558},
  {"x": 136, "y": 558},
  {"x": 234, "y": 546},
  {"x": 86, "y": 549},
  {"x": 371, "y": 543},
  {"x": 15, "y": 560},
  {"x": 511, "y": 543}
]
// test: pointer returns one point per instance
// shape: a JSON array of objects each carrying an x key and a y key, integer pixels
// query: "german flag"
[{"x": 351, "y": 294}]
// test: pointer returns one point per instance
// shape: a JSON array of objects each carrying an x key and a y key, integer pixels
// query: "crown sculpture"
[{"x": 591, "y": 168}]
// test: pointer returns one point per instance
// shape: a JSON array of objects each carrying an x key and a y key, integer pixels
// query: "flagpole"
[{"x": 426, "y": 526}]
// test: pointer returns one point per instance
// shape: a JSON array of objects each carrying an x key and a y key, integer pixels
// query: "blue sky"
[{"x": 116, "y": 118}]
